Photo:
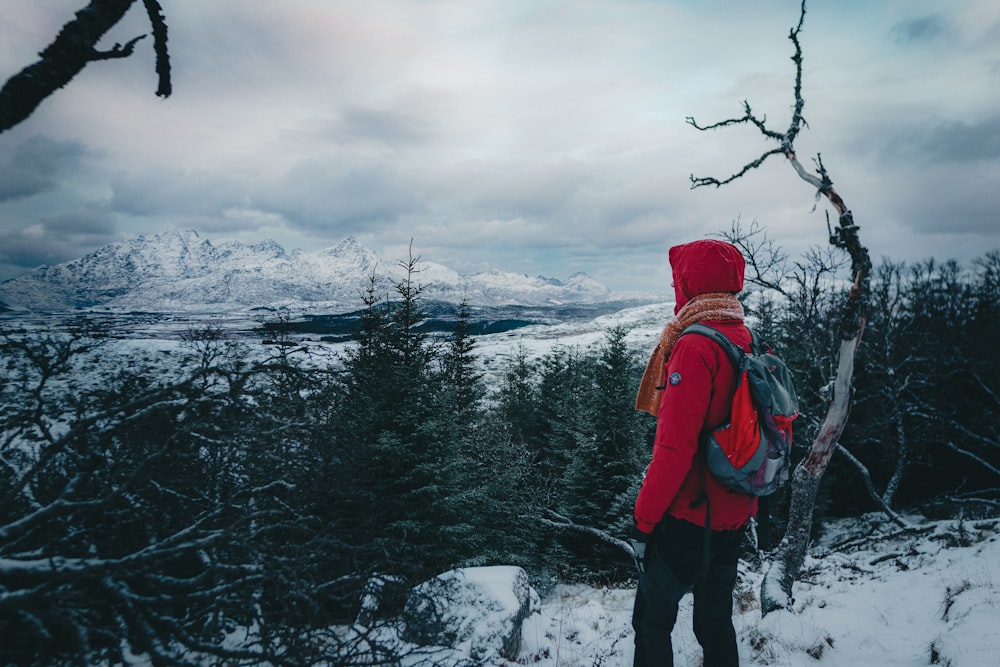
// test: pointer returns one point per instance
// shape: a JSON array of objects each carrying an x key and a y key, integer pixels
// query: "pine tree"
[
  {"x": 464, "y": 381},
  {"x": 562, "y": 415},
  {"x": 517, "y": 400},
  {"x": 605, "y": 471},
  {"x": 398, "y": 451},
  {"x": 618, "y": 433}
]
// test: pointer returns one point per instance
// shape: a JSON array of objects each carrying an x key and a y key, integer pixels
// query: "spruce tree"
[
  {"x": 613, "y": 459},
  {"x": 517, "y": 399},
  {"x": 605, "y": 471},
  {"x": 561, "y": 426},
  {"x": 397, "y": 440},
  {"x": 463, "y": 380}
]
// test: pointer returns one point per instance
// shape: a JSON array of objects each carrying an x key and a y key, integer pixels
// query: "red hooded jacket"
[{"x": 700, "y": 399}]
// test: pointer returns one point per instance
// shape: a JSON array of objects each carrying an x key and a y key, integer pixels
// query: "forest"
[{"x": 155, "y": 506}]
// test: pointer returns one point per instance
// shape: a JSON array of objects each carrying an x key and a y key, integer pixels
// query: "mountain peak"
[
  {"x": 347, "y": 255},
  {"x": 180, "y": 271}
]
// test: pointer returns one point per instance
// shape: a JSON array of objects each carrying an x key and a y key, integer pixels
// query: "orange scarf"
[{"x": 715, "y": 306}]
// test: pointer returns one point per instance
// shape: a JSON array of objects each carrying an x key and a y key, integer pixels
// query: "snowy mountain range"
[{"x": 179, "y": 271}]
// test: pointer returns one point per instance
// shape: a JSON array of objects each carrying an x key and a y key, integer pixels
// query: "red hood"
[{"x": 705, "y": 267}]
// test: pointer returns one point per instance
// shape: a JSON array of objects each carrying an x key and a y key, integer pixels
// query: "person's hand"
[{"x": 639, "y": 541}]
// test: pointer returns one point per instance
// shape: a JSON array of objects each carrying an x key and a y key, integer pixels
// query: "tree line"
[{"x": 215, "y": 503}]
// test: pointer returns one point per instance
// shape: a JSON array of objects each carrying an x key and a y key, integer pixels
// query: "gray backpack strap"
[{"x": 733, "y": 351}]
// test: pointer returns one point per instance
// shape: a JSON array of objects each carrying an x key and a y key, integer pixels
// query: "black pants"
[{"x": 673, "y": 568}]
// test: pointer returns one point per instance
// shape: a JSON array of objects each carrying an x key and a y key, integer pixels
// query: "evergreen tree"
[
  {"x": 564, "y": 388},
  {"x": 463, "y": 380},
  {"x": 605, "y": 472},
  {"x": 504, "y": 457},
  {"x": 518, "y": 400},
  {"x": 397, "y": 439}
]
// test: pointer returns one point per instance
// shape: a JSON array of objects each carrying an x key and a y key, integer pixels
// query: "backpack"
[{"x": 752, "y": 452}]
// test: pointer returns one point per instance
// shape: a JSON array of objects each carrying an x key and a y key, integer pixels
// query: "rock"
[{"x": 477, "y": 609}]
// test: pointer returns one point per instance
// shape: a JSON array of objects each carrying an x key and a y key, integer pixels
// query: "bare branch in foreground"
[{"x": 72, "y": 50}]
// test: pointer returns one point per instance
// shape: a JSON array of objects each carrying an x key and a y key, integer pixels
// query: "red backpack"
[{"x": 752, "y": 452}]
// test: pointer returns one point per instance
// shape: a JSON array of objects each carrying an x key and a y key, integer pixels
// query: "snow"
[
  {"x": 643, "y": 324},
  {"x": 897, "y": 602},
  {"x": 580, "y": 625},
  {"x": 869, "y": 594},
  {"x": 478, "y": 606}
]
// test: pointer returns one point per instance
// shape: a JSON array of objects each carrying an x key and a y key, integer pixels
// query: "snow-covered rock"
[{"x": 478, "y": 610}]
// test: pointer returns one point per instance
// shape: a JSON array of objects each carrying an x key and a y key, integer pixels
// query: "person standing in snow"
[{"x": 687, "y": 526}]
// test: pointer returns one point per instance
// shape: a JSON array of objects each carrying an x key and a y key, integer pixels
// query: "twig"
[{"x": 866, "y": 476}]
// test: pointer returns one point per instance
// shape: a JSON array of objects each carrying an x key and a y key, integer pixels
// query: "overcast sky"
[{"x": 536, "y": 136}]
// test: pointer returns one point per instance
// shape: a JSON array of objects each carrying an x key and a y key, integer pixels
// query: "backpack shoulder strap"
[{"x": 733, "y": 351}]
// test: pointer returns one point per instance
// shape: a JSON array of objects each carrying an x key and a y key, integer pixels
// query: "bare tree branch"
[
  {"x": 117, "y": 51},
  {"x": 73, "y": 49},
  {"x": 786, "y": 138},
  {"x": 867, "y": 477},
  {"x": 764, "y": 259},
  {"x": 156, "y": 19},
  {"x": 978, "y": 459}
]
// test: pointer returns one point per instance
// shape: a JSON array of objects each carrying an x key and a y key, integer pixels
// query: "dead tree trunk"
[{"x": 784, "y": 565}]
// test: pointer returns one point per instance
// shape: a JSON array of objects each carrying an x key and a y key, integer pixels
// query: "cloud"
[
  {"x": 928, "y": 28},
  {"x": 546, "y": 137},
  {"x": 946, "y": 141},
  {"x": 173, "y": 191},
  {"x": 959, "y": 203},
  {"x": 316, "y": 195},
  {"x": 390, "y": 127},
  {"x": 36, "y": 165},
  {"x": 82, "y": 226},
  {"x": 16, "y": 183},
  {"x": 56, "y": 240},
  {"x": 26, "y": 251}
]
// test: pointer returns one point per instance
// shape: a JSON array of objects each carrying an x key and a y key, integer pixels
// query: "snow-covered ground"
[{"x": 870, "y": 595}]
